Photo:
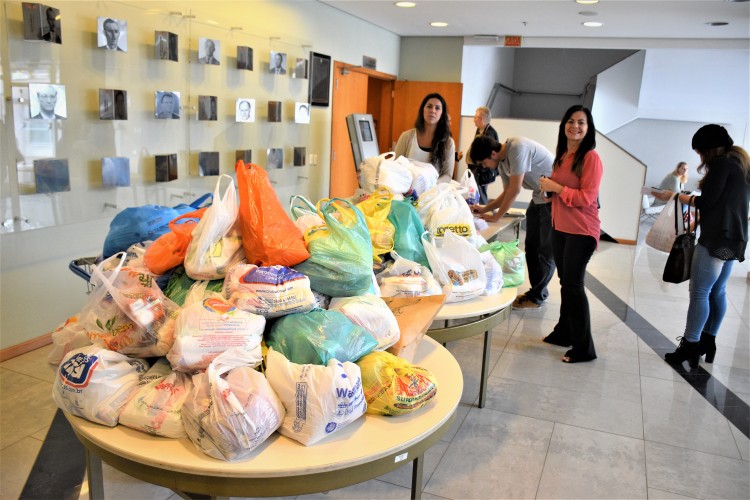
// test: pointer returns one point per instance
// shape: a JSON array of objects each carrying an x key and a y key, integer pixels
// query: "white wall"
[
  {"x": 483, "y": 67},
  {"x": 431, "y": 59},
  {"x": 617, "y": 92}
]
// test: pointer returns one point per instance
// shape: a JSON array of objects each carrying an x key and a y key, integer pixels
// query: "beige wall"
[{"x": 431, "y": 59}]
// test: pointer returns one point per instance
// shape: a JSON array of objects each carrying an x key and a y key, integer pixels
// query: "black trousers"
[
  {"x": 538, "y": 247},
  {"x": 572, "y": 253}
]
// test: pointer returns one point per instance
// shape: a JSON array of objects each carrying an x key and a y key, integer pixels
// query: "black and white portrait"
[
  {"x": 245, "y": 110},
  {"x": 167, "y": 105},
  {"x": 277, "y": 65},
  {"x": 209, "y": 51},
  {"x": 51, "y": 175},
  {"x": 47, "y": 102},
  {"x": 275, "y": 158},
  {"x": 113, "y": 104},
  {"x": 300, "y": 68},
  {"x": 115, "y": 171},
  {"x": 207, "y": 107},
  {"x": 301, "y": 112},
  {"x": 274, "y": 111},
  {"x": 299, "y": 156},
  {"x": 208, "y": 163},
  {"x": 245, "y": 58},
  {"x": 41, "y": 22},
  {"x": 161, "y": 45},
  {"x": 112, "y": 34},
  {"x": 166, "y": 168}
]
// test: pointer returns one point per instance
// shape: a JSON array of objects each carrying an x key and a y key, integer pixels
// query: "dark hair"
[
  {"x": 442, "y": 131},
  {"x": 482, "y": 147},
  {"x": 588, "y": 143},
  {"x": 109, "y": 20},
  {"x": 713, "y": 141}
]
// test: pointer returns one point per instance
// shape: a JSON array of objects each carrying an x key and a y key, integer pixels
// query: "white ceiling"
[{"x": 654, "y": 19}]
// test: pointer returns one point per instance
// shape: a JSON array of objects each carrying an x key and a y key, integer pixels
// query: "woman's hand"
[
  {"x": 663, "y": 195},
  {"x": 547, "y": 185}
]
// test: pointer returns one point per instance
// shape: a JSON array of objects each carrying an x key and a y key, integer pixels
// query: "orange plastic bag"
[
  {"x": 169, "y": 249},
  {"x": 269, "y": 237}
]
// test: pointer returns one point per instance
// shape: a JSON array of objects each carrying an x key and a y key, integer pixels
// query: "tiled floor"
[{"x": 627, "y": 425}]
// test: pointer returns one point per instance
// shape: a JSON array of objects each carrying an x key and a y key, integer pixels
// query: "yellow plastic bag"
[
  {"x": 382, "y": 232},
  {"x": 393, "y": 386}
]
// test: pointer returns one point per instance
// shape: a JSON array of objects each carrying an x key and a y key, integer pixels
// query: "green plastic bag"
[
  {"x": 317, "y": 336},
  {"x": 340, "y": 263},
  {"x": 511, "y": 258},
  {"x": 179, "y": 284},
  {"x": 409, "y": 228}
]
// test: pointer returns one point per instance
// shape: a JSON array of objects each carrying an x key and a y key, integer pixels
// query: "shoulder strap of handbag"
[{"x": 678, "y": 215}]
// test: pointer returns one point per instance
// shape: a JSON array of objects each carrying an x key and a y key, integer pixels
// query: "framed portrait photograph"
[
  {"x": 51, "y": 175},
  {"x": 277, "y": 64},
  {"x": 47, "y": 102},
  {"x": 166, "y": 168},
  {"x": 112, "y": 34},
  {"x": 209, "y": 51},
  {"x": 274, "y": 111},
  {"x": 244, "y": 58},
  {"x": 300, "y": 152},
  {"x": 246, "y": 155},
  {"x": 300, "y": 68},
  {"x": 320, "y": 79},
  {"x": 275, "y": 158},
  {"x": 244, "y": 110},
  {"x": 41, "y": 23},
  {"x": 167, "y": 105},
  {"x": 115, "y": 171},
  {"x": 113, "y": 104},
  {"x": 208, "y": 163},
  {"x": 301, "y": 112},
  {"x": 207, "y": 107}
]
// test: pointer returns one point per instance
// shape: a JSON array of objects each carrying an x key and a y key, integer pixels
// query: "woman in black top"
[{"x": 723, "y": 208}]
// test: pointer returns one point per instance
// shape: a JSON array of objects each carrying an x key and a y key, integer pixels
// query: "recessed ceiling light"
[
  {"x": 592, "y": 24},
  {"x": 406, "y": 4},
  {"x": 438, "y": 24},
  {"x": 587, "y": 2},
  {"x": 588, "y": 13},
  {"x": 717, "y": 23}
]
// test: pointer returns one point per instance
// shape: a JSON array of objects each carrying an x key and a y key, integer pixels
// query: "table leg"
[
  {"x": 485, "y": 367},
  {"x": 95, "y": 477},
  {"x": 416, "y": 477}
]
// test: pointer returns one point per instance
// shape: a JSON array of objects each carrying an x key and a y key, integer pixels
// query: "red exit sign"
[{"x": 512, "y": 41}]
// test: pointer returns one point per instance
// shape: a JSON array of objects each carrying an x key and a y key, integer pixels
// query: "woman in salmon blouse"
[{"x": 574, "y": 189}]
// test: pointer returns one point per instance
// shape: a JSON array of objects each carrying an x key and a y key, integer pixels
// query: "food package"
[
  {"x": 319, "y": 400},
  {"x": 393, "y": 386},
  {"x": 67, "y": 336},
  {"x": 414, "y": 316},
  {"x": 155, "y": 406},
  {"x": 372, "y": 314},
  {"x": 270, "y": 291},
  {"x": 406, "y": 278},
  {"x": 94, "y": 383}
]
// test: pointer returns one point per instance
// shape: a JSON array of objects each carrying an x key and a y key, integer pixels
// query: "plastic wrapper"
[
  {"x": 67, "y": 336},
  {"x": 270, "y": 291},
  {"x": 372, "y": 314},
  {"x": 512, "y": 260},
  {"x": 457, "y": 266}
]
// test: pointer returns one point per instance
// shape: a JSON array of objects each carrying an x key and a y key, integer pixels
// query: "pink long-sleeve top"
[{"x": 575, "y": 209}]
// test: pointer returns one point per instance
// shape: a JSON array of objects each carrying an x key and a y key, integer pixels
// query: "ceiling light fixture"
[
  {"x": 438, "y": 24},
  {"x": 406, "y": 4},
  {"x": 587, "y": 2},
  {"x": 717, "y": 23},
  {"x": 592, "y": 24}
]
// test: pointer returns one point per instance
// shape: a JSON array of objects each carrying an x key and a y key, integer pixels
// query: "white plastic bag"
[
  {"x": 384, "y": 171},
  {"x": 424, "y": 175},
  {"x": 217, "y": 240},
  {"x": 67, "y": 336},
  {"x": 208, "y": 328},
  {"x": 456, "y": 264},
  {"x": 662, "y": 234},
  {"x": 406, "y": 278},
  {"x": 372, "y": 314},
  {"x": 155, "y": 406},
  {"x": 304, "y": 213},
  {"x": 270, "y": 291},
  {"x": 443, "y": 209},
  {"x": 493, "y": 273},
  {"x": 469, "y": 183},
  {"x": 232, "y": 408},
  {"x": 319, "y": 400},
  {"x": 94, "y": 383}
]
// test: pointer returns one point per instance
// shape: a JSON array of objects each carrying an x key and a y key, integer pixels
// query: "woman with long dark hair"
[
  {"x": 430, "y": 140},
  {"x": 574, "y": 188},
  {"x": 723, "y": 211}
]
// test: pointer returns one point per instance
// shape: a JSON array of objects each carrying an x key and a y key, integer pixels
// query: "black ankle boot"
[
  {"x": 708, "y": 346},
  {"x": 686, "y": 351}
]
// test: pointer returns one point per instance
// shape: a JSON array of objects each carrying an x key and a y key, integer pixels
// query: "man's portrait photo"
[
  {"x": 300, "y": 68},
  {"x": 274, "y": 111},
  {"x": 245, "y": 110},
  {"x": 41, "y": 22},
  {"x": 112, "y": 34},
  {"x": 207, "y": 105},
  {"x": 166, "y": 168},
  {"x": 301, "y": 112},
  {"x": 51, "y": 175},
  {"x": 115, "y": 171},
  {"x": 209, "y": 51},
  {"x": 246, "y": 155},
  {"x": 113, "y": 104},
  {"x": 47, "y": 102},
  {"x": 208, "y": 163},
  {"x": 299, "y": 156},
  {"x": 167, "y": 105},
  {"x": 121, "y": 104},
  {"x": 277, "y": 66},
  {"x": 244, "y": 58},
  {"x": 275, "y": 158}
]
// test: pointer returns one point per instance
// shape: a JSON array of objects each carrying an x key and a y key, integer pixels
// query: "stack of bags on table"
[{"x": 212, "y": 329}]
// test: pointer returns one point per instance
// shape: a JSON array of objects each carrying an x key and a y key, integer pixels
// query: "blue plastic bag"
[{"x": 318, "y": 336}]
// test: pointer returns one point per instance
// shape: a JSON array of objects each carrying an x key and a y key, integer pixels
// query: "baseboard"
[
  {"x": 627, "y": 242},
  {"x": 24, "y": 347}
]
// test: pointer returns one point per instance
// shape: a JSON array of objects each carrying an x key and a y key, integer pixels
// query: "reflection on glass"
[
  {"x": 51, "y": 175},
  {"x": 246, "y": 155},
  {"x": 208, "y": 163},
  {"x": 166, "y": 168},
  {"x": 275, "y": 158},
  {"x": 299, "y": 156},
  {"x": 115, "y": 172}
]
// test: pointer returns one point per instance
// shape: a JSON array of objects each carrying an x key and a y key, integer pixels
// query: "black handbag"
[{"x": 680, "y": 257}]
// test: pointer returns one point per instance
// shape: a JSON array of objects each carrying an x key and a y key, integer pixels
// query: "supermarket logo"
[{"x": 77, "y": 371}]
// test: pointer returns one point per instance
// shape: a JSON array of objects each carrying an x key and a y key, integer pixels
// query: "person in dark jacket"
[{"x": 723, "y": 212}]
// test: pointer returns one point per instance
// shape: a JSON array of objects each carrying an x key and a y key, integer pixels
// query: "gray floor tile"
[
  {"x": 17, "y": 461},
  {"x": 582, "y": 463},
  {"x": 25, "y": 413},
  {"x": 654, "y": 494}
]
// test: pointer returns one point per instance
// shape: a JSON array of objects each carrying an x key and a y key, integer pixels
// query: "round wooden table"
[{"x": 367, "y": 448}]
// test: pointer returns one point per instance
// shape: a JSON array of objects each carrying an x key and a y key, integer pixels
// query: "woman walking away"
[
  {"x": 574, "y": 188},
  {"x": 723, "y": 208}
]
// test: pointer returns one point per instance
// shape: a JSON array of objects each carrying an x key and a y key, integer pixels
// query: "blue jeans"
[
  {"x": 708, "y": 294},
  {"x": 538, "y": 247}
]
